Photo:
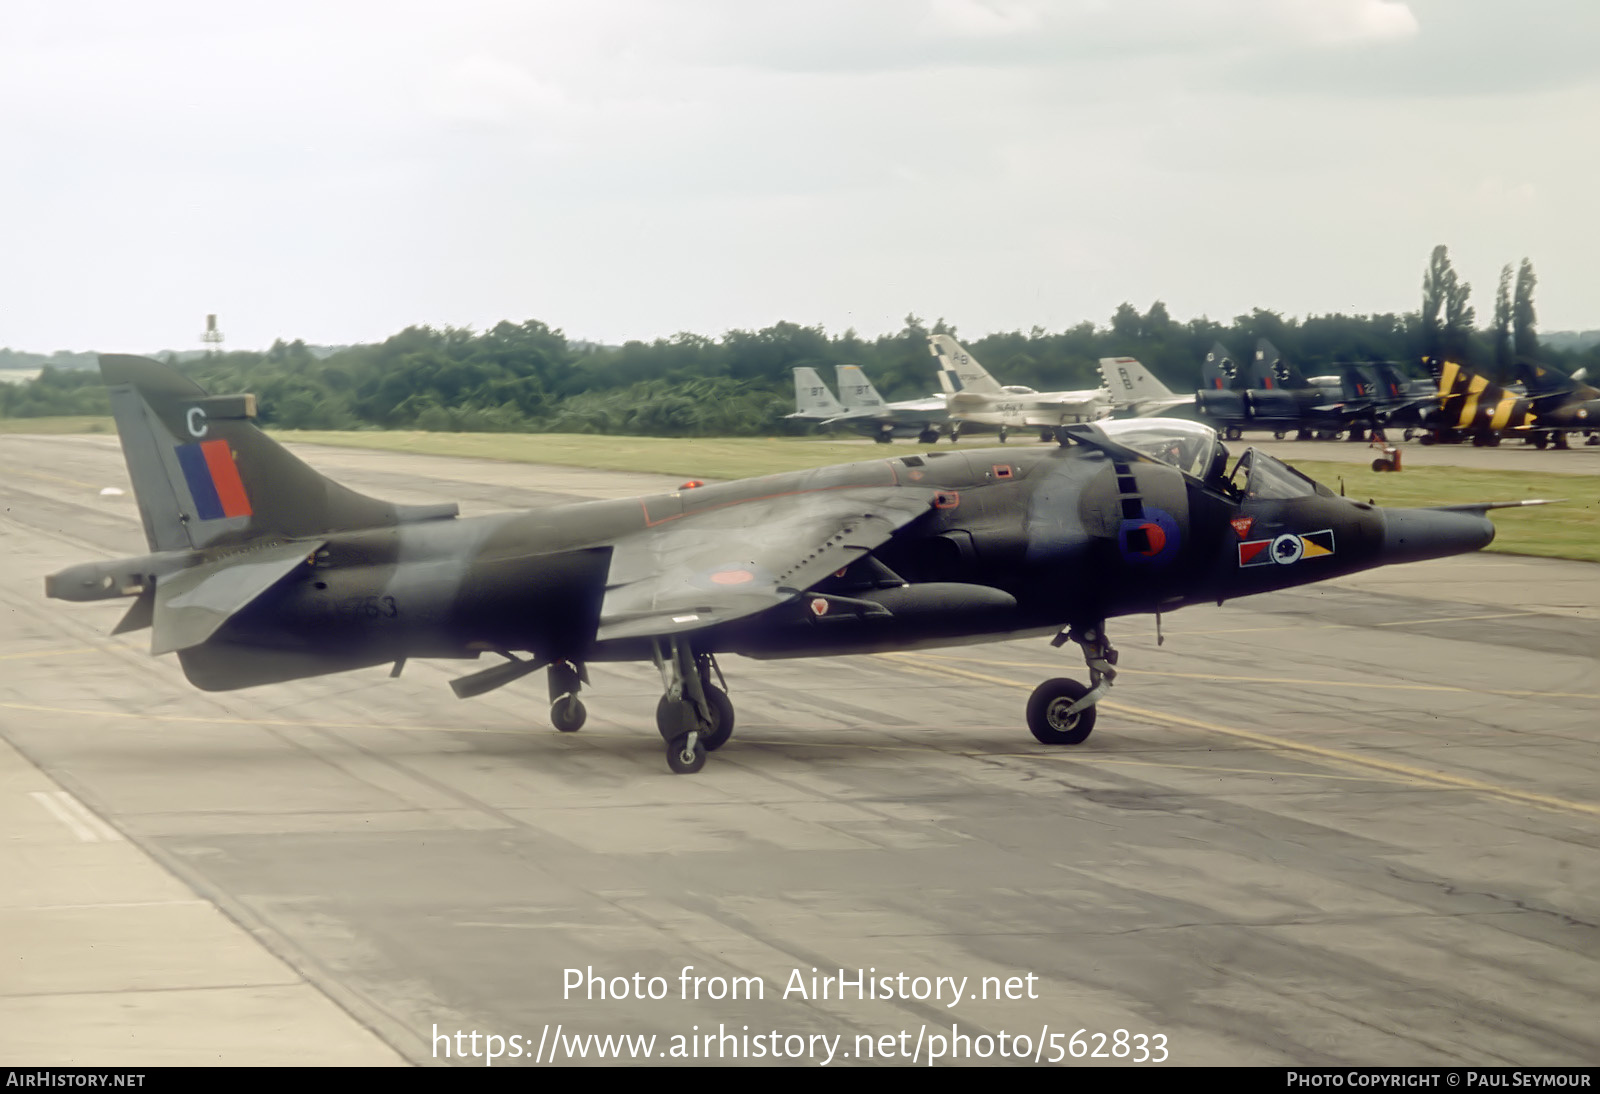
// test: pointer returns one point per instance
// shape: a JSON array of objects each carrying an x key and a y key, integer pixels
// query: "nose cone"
[{"x": 1411, "y": 535}]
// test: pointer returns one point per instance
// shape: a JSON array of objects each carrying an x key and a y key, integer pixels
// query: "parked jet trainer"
[
  {"x": 261, "y": 570},
  {"x": 972, "y": 395}
]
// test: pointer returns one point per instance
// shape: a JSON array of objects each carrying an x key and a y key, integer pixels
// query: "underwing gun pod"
[{"x": 261, "y": 570}]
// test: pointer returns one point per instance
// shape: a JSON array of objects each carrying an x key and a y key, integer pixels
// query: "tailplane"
[{"x": 204, "y": 475}]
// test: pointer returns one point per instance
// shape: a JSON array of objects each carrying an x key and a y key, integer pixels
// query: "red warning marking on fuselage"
[
  {"x": 819, "y": 606},
  {"x": 1242, "y": 525},
  {"x": 732, "y": 577}
]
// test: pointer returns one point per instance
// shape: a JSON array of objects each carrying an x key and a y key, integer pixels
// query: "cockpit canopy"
[
  {"x": 1189, "y": 446},
  {"x": 1258, "y": 475}
]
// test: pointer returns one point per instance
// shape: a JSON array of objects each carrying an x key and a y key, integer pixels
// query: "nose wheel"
[
  {"x": 1053, "y": 714},
  {"x": 1062, "y": 711}
]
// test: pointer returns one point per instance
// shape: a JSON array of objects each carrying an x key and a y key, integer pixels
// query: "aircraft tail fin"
[
  {"x": 1269, "y": 369},
  {"x": 957, "y": 369},
  {"x": 1390, "y": 382},
  {"x": 204, "y": 475},
  {"x": 1130, "y": 382},
  {"x": 1470, "y": 401},
  {"x": 1358, "y": 382},
  {"x": 1544, "y": 381},
  {"x": 1220, "y": 371},
  {"x": 812, "y": 399},
  {"x": 856, "y": 391}
]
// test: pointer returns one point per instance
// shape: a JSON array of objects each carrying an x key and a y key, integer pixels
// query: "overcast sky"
[{"x": 337, "y": 171}]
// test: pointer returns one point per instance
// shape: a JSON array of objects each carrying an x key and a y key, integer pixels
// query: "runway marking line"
[
  {"x": 42, "y": 477},
  {"x": 48, "y": 653},
  {"x": 1415, "y": 775},
  {"x": 1295, "y": 680},
  {"x": 76, "y": 816}
]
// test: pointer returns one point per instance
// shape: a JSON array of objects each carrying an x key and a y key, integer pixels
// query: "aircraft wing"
[
  {"x": 1066, "y": 408},
  {"x": 191, "y": 604},
  {"x": 732, "y": 561}
]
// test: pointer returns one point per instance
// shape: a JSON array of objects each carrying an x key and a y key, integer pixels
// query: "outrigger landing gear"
[
  {"x": 694, "y": 716},
  {"x": 567, "y": 711},
  {"x": 1062, "y": 711}
]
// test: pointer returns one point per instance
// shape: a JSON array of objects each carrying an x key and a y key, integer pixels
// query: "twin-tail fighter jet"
[
  {"x": 261, "y": 570},
  {"x": 860, "y": 407}
]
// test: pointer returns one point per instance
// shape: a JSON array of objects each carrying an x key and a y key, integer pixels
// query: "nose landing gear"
[{"x": 1062, "y": 711}]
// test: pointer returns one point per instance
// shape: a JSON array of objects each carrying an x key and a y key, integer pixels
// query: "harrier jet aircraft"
[
  {"x": 972, "y": 395},
  {"x": 261, "y": 570}
]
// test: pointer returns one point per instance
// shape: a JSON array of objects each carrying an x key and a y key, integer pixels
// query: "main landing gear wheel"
[
  {"x": 686, "y": 754},
  {"x": 1233, "y": 433},
  {"x": 928, "y": 436},
  {"x": 721, "y": 718},
  {"x": 568, "y": 714},
  {"x": 1048, "y": 719}
]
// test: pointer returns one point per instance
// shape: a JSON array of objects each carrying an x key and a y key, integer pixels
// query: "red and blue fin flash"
[{"x": 213, "y": 480}]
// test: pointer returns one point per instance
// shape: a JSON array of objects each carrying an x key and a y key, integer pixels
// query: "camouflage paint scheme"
[{"x": 261, "y": 570}]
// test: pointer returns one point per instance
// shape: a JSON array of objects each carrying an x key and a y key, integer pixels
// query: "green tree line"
[{"x": 529, "y": 377}]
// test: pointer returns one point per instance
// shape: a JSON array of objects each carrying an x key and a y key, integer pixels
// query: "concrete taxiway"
[{"x": 1354, "y": 823}]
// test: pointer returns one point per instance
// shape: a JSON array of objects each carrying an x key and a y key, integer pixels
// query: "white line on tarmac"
[{"x": 76, "y": 816}]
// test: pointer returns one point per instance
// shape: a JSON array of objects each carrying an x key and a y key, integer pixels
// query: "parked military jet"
[
  {"x": 1222, "y": 398},
  {"x": 261, "y": 570},
  {"x": 1134, "y": 390},
  {"x": 972, "y": 395},
  {"x": 1473, "y": 406},
  {"x": 813, "y": 402},
  {"x": 1379, "y": 394},
  {"x": 867, "y": 410},
  {"x": 1282, "y": 399},
  {"x": 1562, "y": 404}
]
